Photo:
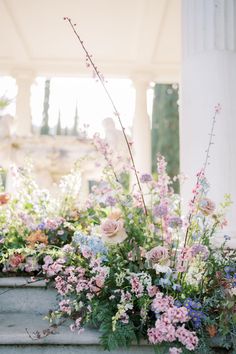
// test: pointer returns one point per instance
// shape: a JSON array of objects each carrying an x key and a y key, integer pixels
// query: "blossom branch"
[
  {"x": 100, "y": 77},
  {"x": 203, "y": 170}
]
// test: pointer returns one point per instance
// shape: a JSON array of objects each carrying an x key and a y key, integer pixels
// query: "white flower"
[{"x": 162, "y": 268}]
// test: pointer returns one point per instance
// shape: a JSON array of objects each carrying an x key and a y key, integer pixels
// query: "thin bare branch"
[{"x": 100, "y": 77}]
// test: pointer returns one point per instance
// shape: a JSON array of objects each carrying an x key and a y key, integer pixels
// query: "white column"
[
  {"x": 208, "y": 78},
  {"x": 24, "y": 82},
  {"x": 141, "y": 127}
]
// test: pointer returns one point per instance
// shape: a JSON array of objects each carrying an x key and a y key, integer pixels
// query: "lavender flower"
[
  {"x": 110, "y": 201},
  {"x": 146, "y": 177},
  {"x": 175, "y": 222},
  {"x": 200, "y": 250},
  {"x": 160, "y": 210}
]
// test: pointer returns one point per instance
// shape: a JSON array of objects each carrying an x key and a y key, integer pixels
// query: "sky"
[{"x": 89, "y": 96}]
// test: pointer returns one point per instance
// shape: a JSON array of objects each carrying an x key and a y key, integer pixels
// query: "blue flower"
[
  {"x": 94, "y": 243},
  {"x": 194, "y": 312},
  {"x": 227, "y": 237},
  {"x": 164, "y": 282},
  {"x": 41, "y": 226},
  {"x": 177, "y": 287},
  {"x": 178, "y": 303}
]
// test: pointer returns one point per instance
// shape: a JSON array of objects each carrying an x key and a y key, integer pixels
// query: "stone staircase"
[{"x": 23, "y": 306}]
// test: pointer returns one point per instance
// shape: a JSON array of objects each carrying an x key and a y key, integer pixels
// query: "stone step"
[
  {"x": 14, "y": 338},
  {"x": 23, "y": 306},
  {"x": 19, "y": 294}
]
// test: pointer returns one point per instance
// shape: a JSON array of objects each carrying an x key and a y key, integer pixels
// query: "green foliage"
[
  {"x": 165, "y": 128},
  {"x": 123, "y": 335},
  {"x": 4, "y": 102}
]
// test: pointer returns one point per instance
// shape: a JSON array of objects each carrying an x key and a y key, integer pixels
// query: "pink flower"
[
  {"x": 52, "y": 269},
  {"x": 186, "y": 254},
  {"x": 207, "y": 206},
  {"x": 48, "y": 260},
  {"x": 176, "y": 314},
  {"x": 161, "y": 332},
  {"x": 158, "y": 254},
  {"x": 124, "y": 318},
  {"x": 4, "y": 198},
  {"x": 152, "y": 290},
  {"x": 125, "y": 296},
  {"x": 137, "y": 287},
  {"x": 86, "y": 252},
  {"x": 113, "y": 230},
  {"x": 110, "y": 227},
  {"x": 15, "y": 260},
  {"x": 162, "y": 303},
  {"x": 100, "y": 280},
  {"x": 65, "y": 306},
  {"x": 62, "y": 286},
  {"x": 31, "y": 265},
  {"x": 187, "y": 338},
  {"x": 181, "y": 268}
]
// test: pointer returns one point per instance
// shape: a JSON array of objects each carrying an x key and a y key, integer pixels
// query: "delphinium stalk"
[{"x": 100, "y": 78}]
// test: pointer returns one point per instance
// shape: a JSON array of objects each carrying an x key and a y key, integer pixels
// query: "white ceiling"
[{"x": 124, "y": 36}]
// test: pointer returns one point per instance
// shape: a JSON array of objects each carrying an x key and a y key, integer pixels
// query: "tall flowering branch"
[
  {"x": 201, "y": 175},
  {"x": 100, "y": 77}
]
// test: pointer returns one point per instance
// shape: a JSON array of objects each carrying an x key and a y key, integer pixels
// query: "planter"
[{"x": 22, "y": 308}]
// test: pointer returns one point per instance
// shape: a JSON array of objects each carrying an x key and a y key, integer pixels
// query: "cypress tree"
[
  {"x": 59, "y": 130},
  {"x": 76, "y": 121},
  {"x": 45, "y": 127},
  {"x": 165, "y": 128}
]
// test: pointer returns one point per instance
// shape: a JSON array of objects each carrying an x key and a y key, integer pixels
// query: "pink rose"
[
  {"x": 16, "y": 259},
  {"x": 158, "y": 254},
  {"x": 207, "y": 206},
  {"x": 112, "y": 228},
  {"x": 4, "y": 198}
]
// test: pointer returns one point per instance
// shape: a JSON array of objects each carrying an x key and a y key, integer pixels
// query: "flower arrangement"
[{"x": 158, "y": 269}]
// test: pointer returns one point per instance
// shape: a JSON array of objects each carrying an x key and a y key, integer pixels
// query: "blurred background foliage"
[{"x": 165, "y": 128}]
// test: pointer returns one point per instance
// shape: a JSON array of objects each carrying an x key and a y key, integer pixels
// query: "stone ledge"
[
  {"x": 13, "y": 332},
  {"x": 15, "y": 339},
  {"x": 70, "y": 349},
  {"x": 21, "y": 281}
]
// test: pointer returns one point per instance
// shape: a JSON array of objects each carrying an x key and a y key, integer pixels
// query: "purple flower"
[
  {"x": 160, "y": 210},
  {"x": 146, "y": 177},
  {"x": 175, "y": 221},
  {"x": 111, "y": 201},
  {"x": 200, "y": 250}
]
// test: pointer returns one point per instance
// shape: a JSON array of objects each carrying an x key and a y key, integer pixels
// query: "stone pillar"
[
  {"x": 209, "y": 78},
  {"x": 24, "y": 82},
  {"x": 141, "y": 127}
]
